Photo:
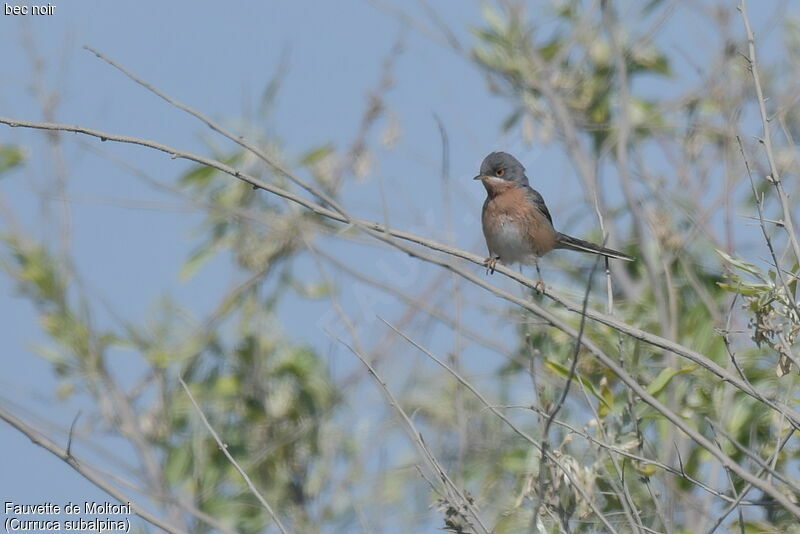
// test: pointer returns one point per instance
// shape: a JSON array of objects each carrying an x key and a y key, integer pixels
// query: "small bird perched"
[{"x": 516, "y": 222}]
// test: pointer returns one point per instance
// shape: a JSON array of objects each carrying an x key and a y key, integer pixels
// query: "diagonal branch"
[
  {"x": 238, "y": 139},
  {"x": 87, "y": 472},
  {"x": 384, "y": 232}
]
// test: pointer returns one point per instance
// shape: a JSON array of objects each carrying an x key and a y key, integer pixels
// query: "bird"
[{"x": 516, "y": 223}]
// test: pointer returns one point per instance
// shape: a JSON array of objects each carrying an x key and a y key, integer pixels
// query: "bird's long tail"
[{"x": 573, "y": 243}]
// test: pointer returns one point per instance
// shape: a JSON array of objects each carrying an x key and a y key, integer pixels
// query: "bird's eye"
[{"x": 500, "y": 172}]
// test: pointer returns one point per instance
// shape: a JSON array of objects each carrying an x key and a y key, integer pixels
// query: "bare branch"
[
  {"x": 86, "y": 471},
  {"x": 224, "y": 449}
]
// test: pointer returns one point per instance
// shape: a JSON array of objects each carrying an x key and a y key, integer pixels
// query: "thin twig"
[
  {"x": 774, "y": 177},
  {"x": 71, "y": 431},
  {"x": 238, "y": 139},
  {"x": 553, "y": 412},
  {"x": 450, "y": 487},
  {"x": 759, "y": 200},
  {"x": 740, "y": 499},
  {"x": 224, "y": 448}
]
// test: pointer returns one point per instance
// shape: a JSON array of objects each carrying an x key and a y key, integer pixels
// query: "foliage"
[{"x": 269, "y": 397}]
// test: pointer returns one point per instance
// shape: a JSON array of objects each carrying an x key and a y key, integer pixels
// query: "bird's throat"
[{"x": 496, "y": 186}]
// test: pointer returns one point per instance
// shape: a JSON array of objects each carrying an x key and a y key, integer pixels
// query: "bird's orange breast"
[{"x": 513, "y": 226}]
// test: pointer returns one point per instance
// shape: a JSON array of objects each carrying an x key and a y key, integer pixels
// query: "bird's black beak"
[{"x": 479, "y": 177}]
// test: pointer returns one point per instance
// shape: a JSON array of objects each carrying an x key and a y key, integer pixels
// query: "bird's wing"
[{"x": 537, "y": 200}]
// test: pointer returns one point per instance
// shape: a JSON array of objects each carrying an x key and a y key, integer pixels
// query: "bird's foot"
[
  {"x": 539, "y": 285},
  {"x": 490, "y": 263}
]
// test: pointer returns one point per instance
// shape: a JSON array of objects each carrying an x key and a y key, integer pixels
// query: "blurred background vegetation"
[{"x": 673, "y": 173}]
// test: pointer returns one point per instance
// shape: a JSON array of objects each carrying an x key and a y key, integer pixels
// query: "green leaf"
[
  {"x": 563, "y": 372},
  {"x": 316, "y": 154},
  {"x": 65, "y": 389},
  {"x": 318, "y": 290},
  {"x": 608, "y": 399},
  {"x": 10, "y": 157},
  {"x": 647, "y": 470},
  {"x": 493, "y": 18},
  {"x": 178, "y": 462},
  {"x": 740, "y": 264},
  {"x": 793, "y": 282},
  {"x": 511, "y": 120},
  {"x": 195, "y": 261},
  {"x": 751, "y": 527},
  {"x": 748, "y": 290},
  {"x": 198, "y": 176},
  {"x": 647, "y": 59},
  {"x": 549, "y": 50},
  {"x": 665, "y": 377},
  {"x": 740, "y": 415}
]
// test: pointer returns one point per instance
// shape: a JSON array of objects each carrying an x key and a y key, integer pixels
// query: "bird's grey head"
[{"x": 503, "y": 166}]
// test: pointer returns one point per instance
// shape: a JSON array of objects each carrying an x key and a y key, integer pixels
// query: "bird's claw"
[
  {"x": 539, "y": 287},
  {"x": 490, "y": 263}
]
